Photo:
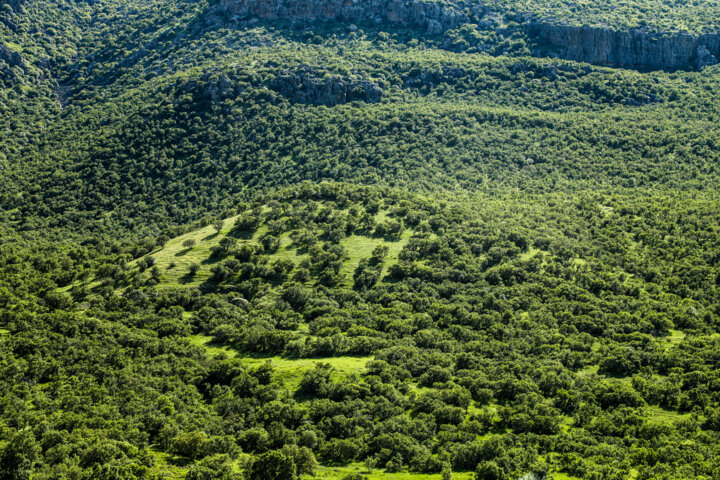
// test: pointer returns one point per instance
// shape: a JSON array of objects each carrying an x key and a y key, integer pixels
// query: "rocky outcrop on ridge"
[
  {"x": 306, "y": 86},
  {"x": 626, "y": 49},
  {"x": 433, "y": 17},
  {"x": 637, "y": 49}
]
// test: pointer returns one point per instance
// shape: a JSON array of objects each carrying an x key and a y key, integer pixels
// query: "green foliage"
[
  {"x": 491, "y": 340},
  {"x": 530, "y": 286},
  {"x": 217, "y": 467},
  {"x": 19, "y": 456},
  {"x": 273, "y": 466}
]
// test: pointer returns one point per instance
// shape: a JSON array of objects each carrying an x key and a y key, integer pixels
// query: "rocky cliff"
[
  {"x": 434, "y": 17},
  {"x": 601, "y": 46},
  {"x": 626, "y": 49}
]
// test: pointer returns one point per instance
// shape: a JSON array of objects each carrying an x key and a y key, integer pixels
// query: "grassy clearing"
[
  {"x": 606, "y": 209},
  {"x": 563, "y": 476},
  {"x": 394, "y": 250},
  {"x": 579, "y": 262},
  {"x": 590, "y": 370},
  {"x": 358, "y": 247},
  {"x": 419, "y": 390},
  {"x": 169, "y": 467},
  {"x": 532, "y": 251},
  {"x": 660, "y": 415},
  {"x": 174, "y": 259},
  {"x": 289, "y": 371},
  {"x": 567, "y": 423},
  {"x": 382, "y": 216},
  {"x": 675, "y": 337},
  {"x": 337, "y": 473},
  {"x": 492, "y": 408},
  {"x": 286, "y": 250},
  {"x": 594, "y": 370},
  {"x": 212, "y": 350}
]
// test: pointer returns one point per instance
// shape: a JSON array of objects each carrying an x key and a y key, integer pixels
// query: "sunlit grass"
[
  {"x": 675, "y": 337},
  {"x": 169, "y": 467},
  {"x": 359, "y": 247},
  {"x": 211, "y": 349},
  {"x": 289, "y": 371},
  {"x": 338, "y": 472},
  {"x": 661, "y": 415},
  {"x": 174, "y": 259}
]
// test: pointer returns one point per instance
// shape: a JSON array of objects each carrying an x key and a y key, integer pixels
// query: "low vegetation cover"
[{"x": 248, "y": 249}]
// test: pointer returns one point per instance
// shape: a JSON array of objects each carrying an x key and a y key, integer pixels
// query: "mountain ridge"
[{"x": 625, "y": 48}]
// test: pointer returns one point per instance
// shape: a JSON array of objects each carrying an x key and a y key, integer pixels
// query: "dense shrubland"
[
  {"x": 189, "y": 146},
  {"x": 171, "y": 126},
  {"x": 528, "y": 286},
  {"x": 573, "y": 334}
]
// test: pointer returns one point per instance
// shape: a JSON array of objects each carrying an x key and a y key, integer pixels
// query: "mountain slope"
[
  {"x": 497, "y": 324},
  {"x": 247, "y": 240}
]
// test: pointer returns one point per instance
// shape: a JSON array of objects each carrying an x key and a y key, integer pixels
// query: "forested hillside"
[{"x": 383, "y": 240}]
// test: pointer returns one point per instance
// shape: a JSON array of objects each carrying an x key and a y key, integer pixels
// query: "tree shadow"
[
  {"x": 187, "y": 278},
  {"x": 178, "y": 461},
  {"x": 245, "y": 234},
  {"x": 301, "y": 249},
  {"x": 210, "y": 285},
  {"x": 388, "y": 278},
  {"x": 212, "y": 259},
  {"x": 301, "y": 397},
  {"x": 388, "y": 237}
]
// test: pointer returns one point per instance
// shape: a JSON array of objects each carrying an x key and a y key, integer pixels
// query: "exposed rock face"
[
  {"x": 600, "y": 46},
  {"x": 433, "y": 17},
  {"x": 304, "y": 86},
  {"x": 627, "y": 49},
  {"x": 704, "y": 58}
]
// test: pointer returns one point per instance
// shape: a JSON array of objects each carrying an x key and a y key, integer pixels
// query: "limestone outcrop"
[
  {"x": 637, "y": 49},
  {"x": 626, "y": 49},
  {"x": 433, "y": 17},
  {"x": 306, "y": 86}
]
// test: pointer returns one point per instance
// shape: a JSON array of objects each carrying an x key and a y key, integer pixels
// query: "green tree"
[
  {"x": 489, "y": 470},
  {"x": 18, "y": 457},
  {"x": 216, "y": 467},
  {"x": 447, "y": 473},
  {"x": 273, "y": 466}
]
